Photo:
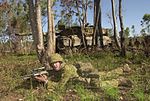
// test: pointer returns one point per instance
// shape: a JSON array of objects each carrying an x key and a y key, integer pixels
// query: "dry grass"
[{"x": 13, "y": 88}]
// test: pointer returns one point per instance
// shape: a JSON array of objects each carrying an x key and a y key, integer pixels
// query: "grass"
[
  {"x": 13, "y": 67},
  {"x": 112, "y": 93}
]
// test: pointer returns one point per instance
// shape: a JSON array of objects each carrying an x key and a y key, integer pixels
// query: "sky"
[{"x": 133, "y": 12}]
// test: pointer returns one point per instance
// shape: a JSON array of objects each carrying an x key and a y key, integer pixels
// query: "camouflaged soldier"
[
  {"x": 104, "y": 79},
  {"x": 61, "y": 73},
  {"x": 114, "y": 77}
]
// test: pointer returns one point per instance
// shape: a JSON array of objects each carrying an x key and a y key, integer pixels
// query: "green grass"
[
  {"x": 112, "y": 93},
  {"x": 13, "y": 67}
]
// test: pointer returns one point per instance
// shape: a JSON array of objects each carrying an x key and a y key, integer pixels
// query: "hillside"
[{"x": 14, "y": 88}]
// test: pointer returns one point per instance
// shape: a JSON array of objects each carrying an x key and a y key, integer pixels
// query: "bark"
[
  {"x": 36, "y": 25},
  {"x": 51, "y": 32},
  {"x": 79, "y": 17},
  {"x": 32, "y": 20},
  {"x": 39, "y": 44},
  {"x": 94, "y": 28},
  {"x": 84, "y": 11},
  {"x": 82, "y": 22},
  {"x": 97, "y": 24},
  {"x": 122, "y": 36},
  {"x": 115, "y": 24},
  {"x": 100, "y": 24}
]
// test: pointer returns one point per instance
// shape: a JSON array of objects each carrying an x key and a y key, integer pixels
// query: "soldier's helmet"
[{"x": 55, "y": 58}]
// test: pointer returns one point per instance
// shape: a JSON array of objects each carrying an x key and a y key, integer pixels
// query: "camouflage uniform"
[
  {"x": 105, "y": 79},
  {"x": 110, "y": 78},
  {"x": 60, "y": 78}
]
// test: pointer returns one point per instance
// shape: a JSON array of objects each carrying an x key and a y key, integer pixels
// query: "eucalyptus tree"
[
  {"x": 127, "y": 32},
  {"x": 51, "y": 45},
  {"x": 115, "y": 24},
  {"x": 78, "y": 8},
  {"x": 36, "y": 13},
  {"x": 17, "y": 17},
  {"x": 14, "y": 19},
  {"x": 97, "y": 24},
  {"x": 4, "y": 7},
  {"x": 122, "y": 33},
  {"x": 146, "y": 23},
  {"x": 133, "y": 29}
]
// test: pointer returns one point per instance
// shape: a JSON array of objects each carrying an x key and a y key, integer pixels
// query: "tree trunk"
[
  {"x": 33, "y": 21},
  {"x": 82, "y": 22},
  {"x": 97, "y": 24},
  {"x": 51, "y": 33},
  {"x": 40, "y": 45},
  {"x": 100, "y": 24},
  {"x": 36, "y": 25},
  {"x": 122, "y": 36},
  {"x": 115, "y": 24},
  {"x": 84, "y": 19},
  {"x": 79, "y": 16},
  {"x": 94, "y": 28}
]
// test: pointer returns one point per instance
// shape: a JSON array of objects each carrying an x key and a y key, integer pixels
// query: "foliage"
[
  {"x": 85, "y": 94},
  {"x": 127, "y": 32},
  {"x": 146, "y": 23},
  {"x": 133, "y": 30},
  {"x": 4, "y": 8},
  {"x": 139, "y": 95},
  {"x": 14, "y": 67},
  {"x": 18, "y": 18},
  {"x": 101, "y": 61},
  {"x": 74, "y": 9},
  {"x": 113, "y": 93}
]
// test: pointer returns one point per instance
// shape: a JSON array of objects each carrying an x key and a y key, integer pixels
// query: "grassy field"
[{"x": 13, "y": 88}]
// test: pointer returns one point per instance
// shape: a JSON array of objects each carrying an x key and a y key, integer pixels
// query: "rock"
[
  {"x": 124, "y": 82},
  {"x": 126, "y": 68}
]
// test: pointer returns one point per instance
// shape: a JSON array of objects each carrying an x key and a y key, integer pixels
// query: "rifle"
[
  {"x": 90, "y": 75},
  {"x": 35, "y": 72}
]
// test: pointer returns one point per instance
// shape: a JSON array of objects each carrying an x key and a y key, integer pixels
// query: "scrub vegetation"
[{"x": 14, "y": 88}]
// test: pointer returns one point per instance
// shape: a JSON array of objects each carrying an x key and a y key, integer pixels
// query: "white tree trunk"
[
  {"x": 115, "y": 24},
  {"x": 39, "y": 42},
  {"x": 51, "y": 31},
  {"x": 122, "y": 36}
]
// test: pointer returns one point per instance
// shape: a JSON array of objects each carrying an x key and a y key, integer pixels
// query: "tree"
[
  {"x": 127, "y": 32},
  {"x": 97, "y": 24},
  {"x": 14, "y": 21},
  {"x": 146, "y": 23},
  {"x": 115, "y": 24},
  {"x": 76, "y": 7},
  {"x": 43, "y": 52},
  {"x": 133, "y": 30},
  {"x": 122, "y": 34},
  {"x": 51, "y": 32},
  {"x": 39, "y": 44},
  {"x": 79, "y": 9},
  {"x": 4, "y": 7}
]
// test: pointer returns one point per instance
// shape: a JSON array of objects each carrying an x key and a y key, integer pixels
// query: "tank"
[{"x": 70, "y": 38}]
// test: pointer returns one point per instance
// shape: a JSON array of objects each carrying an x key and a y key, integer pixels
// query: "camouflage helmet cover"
[{"x": 55, "y": 58}]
